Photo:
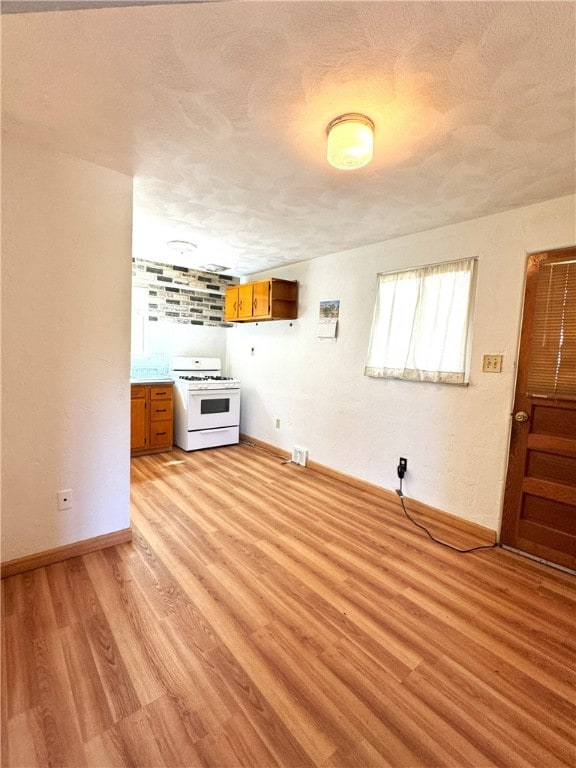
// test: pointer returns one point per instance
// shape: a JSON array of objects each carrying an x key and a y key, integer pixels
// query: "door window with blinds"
[
  {"x": 421, "y": 329},
  {"x": 552, "y": 359}
]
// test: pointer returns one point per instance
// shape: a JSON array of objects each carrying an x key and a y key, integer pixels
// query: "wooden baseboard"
[
  {"x": 266, "y": 446},
  {"x": 150, "y": 451},
  {"x": 51, "y": 556},
  {"x": 431, "y": 513},
  {"x": 452, "y": 521}
]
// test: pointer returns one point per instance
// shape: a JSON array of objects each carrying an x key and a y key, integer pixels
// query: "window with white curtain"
[{"x": 421, "y": 330}]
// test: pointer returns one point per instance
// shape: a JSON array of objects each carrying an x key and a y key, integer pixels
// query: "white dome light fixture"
[
  {"x": 350, "y": 141},
  {"x": 181, "y": 247}
]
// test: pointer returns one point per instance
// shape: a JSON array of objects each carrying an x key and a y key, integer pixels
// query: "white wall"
[
  {"x": 199, "y": 298},
  {"x": 172, "y": 339},
  {"x": 66, "y": 274},
  {"x": 455, "y": 438}
]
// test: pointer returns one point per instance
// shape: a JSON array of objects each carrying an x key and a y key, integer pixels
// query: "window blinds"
[{"x": 552, "y": 361}]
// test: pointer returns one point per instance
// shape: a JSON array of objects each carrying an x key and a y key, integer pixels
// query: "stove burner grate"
[{"x": 206, "y": 378}]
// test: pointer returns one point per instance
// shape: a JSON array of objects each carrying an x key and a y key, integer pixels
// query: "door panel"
[
  {"x": 137, "y": 423},
  {"x": 560, "y": 469},
  {"x": 231, "y": 303},
  {"x": 540, "y": 500},
  {"x": 554, "y": 420},
  {"x": 549, "y": 513},
  {"x": 245, "y": 300},
  {"x": 261, "y": 303}
]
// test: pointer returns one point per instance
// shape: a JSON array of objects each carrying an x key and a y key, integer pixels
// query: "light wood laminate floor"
[{"x": 265, "y": 615}]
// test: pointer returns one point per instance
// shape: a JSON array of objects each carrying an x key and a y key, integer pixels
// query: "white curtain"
[{"x": 421, "y": 324}]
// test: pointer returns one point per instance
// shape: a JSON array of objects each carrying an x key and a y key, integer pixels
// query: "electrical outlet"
[
  {"x": 299, "y": 455},
  {"x": 64, "y": 500},
  {"x": 277, "y": 423},
  {"x": 402, "y": 467},
  {"x": 492, "y": 363}
]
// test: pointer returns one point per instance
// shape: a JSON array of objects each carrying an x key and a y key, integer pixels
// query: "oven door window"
[{"x": 215, "y": 405}]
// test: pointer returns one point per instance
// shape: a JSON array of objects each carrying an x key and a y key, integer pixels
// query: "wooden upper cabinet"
[
  {"x": 238, "y": 304},
  {"x": 270, "y": 299}
]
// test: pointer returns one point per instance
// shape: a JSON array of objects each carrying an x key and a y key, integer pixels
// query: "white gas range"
[{"x": 206, "y": 404}]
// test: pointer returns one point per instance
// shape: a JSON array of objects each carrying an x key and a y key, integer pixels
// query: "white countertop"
[{"x": 152, "y": 380}]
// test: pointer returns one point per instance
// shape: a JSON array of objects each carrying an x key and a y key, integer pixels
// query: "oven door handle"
[
  {"x": 212, "y": 392},
  {"x": 210, "y": 431}
]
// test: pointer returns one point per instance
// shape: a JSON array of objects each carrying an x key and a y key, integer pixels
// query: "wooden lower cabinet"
[{"x": 151, "y": 418}]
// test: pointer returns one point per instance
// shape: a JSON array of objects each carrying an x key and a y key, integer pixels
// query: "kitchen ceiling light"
[
  {"x": 214, "y": 268},
  {"x": 350, "y": 141},
  {"x": 181, "y": 247}
]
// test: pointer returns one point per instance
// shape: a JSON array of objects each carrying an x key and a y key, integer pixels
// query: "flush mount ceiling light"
[
  {"x": 350, "y": 141},
  {"x": 214, "y": 268},
  {"x": 181, "y": 247}
]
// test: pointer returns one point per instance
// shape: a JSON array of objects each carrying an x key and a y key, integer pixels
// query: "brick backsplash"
[{"x": 182, "y": 295}]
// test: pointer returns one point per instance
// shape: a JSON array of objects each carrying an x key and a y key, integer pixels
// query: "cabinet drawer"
[
  {"x": 160, "y": 410},
  {"x": 160, "y": 433},
  {"x": 161, "y": 393},
  {"x": 137, "y": 392}
]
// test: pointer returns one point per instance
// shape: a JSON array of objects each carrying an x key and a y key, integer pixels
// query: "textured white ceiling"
[{"x": 219, "y": 110}]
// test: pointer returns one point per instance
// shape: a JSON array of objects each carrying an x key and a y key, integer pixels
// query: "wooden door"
[
  {"x": 540, "y": 499},
  {"x": 244, "y": 301},
  {"x": 231, "y": 303},
  {"x": 138, "y": 421},
  {"x": 261, "y": 299}
]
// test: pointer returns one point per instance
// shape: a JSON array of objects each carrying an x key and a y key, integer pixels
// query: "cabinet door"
[
  {"x": 261, "y": 298},
  {"x": 245, "y": 300},
  {"x": 231, "y": 305},
  {"x": 137, "y": 423}
]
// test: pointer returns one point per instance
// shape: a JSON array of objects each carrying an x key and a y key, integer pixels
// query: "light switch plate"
[{"x": 492, "y": 363}]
